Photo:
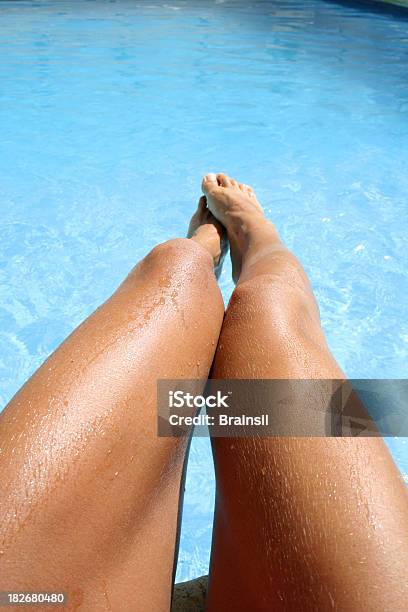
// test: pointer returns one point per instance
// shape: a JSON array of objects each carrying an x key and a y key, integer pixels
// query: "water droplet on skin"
[
  {"x": 116, "y": 473},
  {"x": 164, "y": 282}
]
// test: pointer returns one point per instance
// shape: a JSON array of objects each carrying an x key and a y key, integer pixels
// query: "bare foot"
[
  {"x": 207, "y": 231},
  {"x": 235, "y": 205}
]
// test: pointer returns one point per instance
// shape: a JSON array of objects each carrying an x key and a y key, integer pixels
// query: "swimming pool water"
[{"x": 111, "y": 111}]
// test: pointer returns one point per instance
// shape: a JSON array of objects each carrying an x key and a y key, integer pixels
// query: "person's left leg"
[{"x": 89, "y": 492}]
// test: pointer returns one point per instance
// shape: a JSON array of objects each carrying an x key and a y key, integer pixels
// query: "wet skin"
[
  {"x": 90, "y": 493},
  {"x": 300, "y": 524}
]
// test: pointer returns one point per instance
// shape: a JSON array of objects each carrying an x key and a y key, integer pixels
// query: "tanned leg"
[
  {"x": 302, "y": 524},
  {"x": 89, "y": 493}
]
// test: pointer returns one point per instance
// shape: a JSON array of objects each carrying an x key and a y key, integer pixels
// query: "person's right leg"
[{"x": 300, "y": 524}]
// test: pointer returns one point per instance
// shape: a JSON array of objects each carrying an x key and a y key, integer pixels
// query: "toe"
[
  {"x": 247, "y": 189},
  {"x": 209, "y": 182},
  {"x": 223, "y": 180},
  {"x": 234, "y": 183}
]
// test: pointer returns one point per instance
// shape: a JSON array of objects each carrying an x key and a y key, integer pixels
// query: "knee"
[
  {"x": 177, "y": 250},
  {"x": 284, "y": 298},
  {"x": 180, "y": 260},
  {"x": 268, "y": 288}
]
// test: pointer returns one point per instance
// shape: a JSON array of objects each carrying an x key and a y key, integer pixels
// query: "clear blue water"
[{"x": 112, "y": 111}]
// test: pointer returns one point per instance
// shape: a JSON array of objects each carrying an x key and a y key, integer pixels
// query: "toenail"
[{"x": 211, "y": 177}]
